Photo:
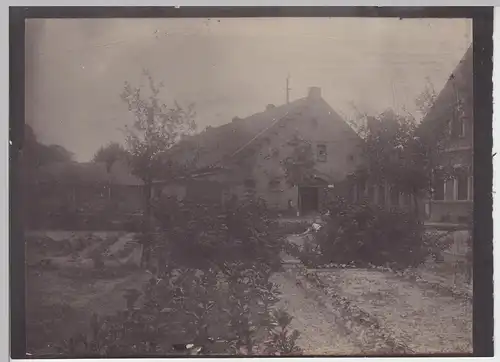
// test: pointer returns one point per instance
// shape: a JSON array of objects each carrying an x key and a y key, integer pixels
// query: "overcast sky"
[{"x": 228, "y": 67}]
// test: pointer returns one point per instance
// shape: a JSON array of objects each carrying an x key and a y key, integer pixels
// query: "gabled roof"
[
  {"x": 218, "y": 146},
  {"x": 459, "y": 85}
]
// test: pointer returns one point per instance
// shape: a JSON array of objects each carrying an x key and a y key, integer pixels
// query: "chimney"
[
  {"x": 314, "y": 93},
  {"x": 270, "y": 106}
]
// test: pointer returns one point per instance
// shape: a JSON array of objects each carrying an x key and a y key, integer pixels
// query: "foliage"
[
  {"x": 156, "y": 128},
  {"x": 426, "y": 99},
  {"x": 393, "y": 153},
  {"x": 300, "y": 166},
  {"x": 405, "y": 153},
  {"x": 110, "y": 153},
  {"x": 363, "y": 234},
  {"x": 207, "y": 235},
  {"x": 282, "y": 341},
  {"x": 212, "y": 287},
  {"x": 36, "y": 154}
]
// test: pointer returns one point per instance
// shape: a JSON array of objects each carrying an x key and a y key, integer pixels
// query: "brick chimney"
[{"x": 314, "y": 93}]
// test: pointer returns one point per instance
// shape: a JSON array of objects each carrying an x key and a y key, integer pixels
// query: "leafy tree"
[
  {"x": 155, "y": 130},
  {"x": 110, "y": 153},
  {"x": 399, "y": 150},
  {"x": 300, "y": 166},
  {"x": 36, "y": 154}
]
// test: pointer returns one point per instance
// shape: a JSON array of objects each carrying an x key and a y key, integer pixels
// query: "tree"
[
  {"x": 35, "y": 154},
  {"x": 403, "y": 152},
  {"x": 426, "y": 99},
  {"x": 394, "y": 154},
  {"x": 155, "y": 130},
  {"x": 300, "y": 166},
  {"x": 110, "y": 153}
]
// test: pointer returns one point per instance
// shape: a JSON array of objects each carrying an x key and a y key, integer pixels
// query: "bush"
[
  {"x": 208, "y": 235},
  {"x": 364, "y": 234},
  {"x": 212, "y": 288}
]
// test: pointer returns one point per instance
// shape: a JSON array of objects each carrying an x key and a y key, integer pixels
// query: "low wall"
[{"x": 450, "y": 211}]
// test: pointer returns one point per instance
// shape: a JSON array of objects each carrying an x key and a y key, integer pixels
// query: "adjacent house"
[
  {"x": 452, "y": 198},
  {"x": 248, "y": 157},
  {"x": 82, "y": 188}
]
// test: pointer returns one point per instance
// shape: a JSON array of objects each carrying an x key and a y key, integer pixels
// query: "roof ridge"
[{"x": 258, "y": 135}]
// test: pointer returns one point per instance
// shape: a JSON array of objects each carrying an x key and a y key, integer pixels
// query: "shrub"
[
  {"x": 209, "y": 235},
  {"x": 212, "y": 284},
  {"x": 282, "y": 341},
  {"x": 363, "y": 234}
]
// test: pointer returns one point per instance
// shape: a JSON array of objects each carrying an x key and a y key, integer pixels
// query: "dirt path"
[
  {"x": 425, "y": 320},
  {"x": 321, "y": 333}
]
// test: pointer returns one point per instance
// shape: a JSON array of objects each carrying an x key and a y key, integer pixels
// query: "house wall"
[
  {"x": 210, "y": 188},
  {"x": 316, "y": 125},
  {"x": 453, "y": 105},
  {"x": 450, "y": 211}
]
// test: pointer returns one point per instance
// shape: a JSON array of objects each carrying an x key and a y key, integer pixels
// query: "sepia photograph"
[{"x": 254, "y": 186}]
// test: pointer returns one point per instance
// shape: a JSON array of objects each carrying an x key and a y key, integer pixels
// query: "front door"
[{"x": 308, "y": 200}]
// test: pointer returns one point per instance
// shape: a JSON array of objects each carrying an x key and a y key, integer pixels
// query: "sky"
[{"x": 76, "y": 68}]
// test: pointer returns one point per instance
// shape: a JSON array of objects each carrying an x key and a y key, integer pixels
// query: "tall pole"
[{"x": 288, "y": 89}]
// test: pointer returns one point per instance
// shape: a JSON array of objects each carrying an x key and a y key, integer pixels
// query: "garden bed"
[{"x": 420, "y": 318}]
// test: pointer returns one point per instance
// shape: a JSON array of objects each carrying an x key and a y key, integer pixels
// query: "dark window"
[
  {"x": 449, "y": 127},
  {"x": 371, "y": 193},
  {"x": 274, "y": 184},
  {"x": 394, "y": 196},
  {"x": 249, "y": 183},
  {"x": 362, "y": 188},
  {"x": 404, "y": 199},
  {"x": 438, "y": 187},
  {"x": 381, "y": 195},
  {"x": 350, "y": 158},
  {"x": 456, "y": 128},
  {"x": 471, "y": 188},
  {"x": 321, "y": 153},
  {"x": 353, "y": 192},
  {"x": 462, "y": 130},
  {"x": 462, "y": 187}
]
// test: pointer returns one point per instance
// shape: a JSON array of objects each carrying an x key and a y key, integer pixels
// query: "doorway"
[{"x": 308, "y": 200}]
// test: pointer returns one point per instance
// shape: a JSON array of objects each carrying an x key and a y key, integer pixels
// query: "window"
[
  {"x": 321, "y": 153},
  {"x": 353, "y": 192},
  {"x": 362, "y": 190},
  {"x": 471, "y": 188},
  {"x": 249, "y": 183},
  {"x": 405, "y": 199},
  {"x": 371, "y": 193},
  {"x": 274, "y": 185},
  {"x": 449, "y": 194},
  {"x": 449, "y": 127},
  {"x": 462, "y": 125},
  {"x": 394, "y": 196},
  {"x": 457, "y": 128},
  {"x": 438, "y": 187},
  {"x": 350, "y": 158},
  {"x": 381, "y": 195},
  {"x": 462, "y": 186}
]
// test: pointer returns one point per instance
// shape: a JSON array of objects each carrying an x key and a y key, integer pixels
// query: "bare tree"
[{"x": 157, "y": 127}]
